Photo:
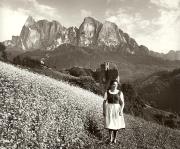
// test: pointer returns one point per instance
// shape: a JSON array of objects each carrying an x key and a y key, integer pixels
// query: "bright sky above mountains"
[{"x": 153, "y": 23}]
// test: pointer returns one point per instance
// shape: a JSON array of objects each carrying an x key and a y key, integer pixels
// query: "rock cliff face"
[
  {"x": 110, "y": 35},
  {"x": 71, "y": 35},
  {"x": 132, "y": 44},
  {"x": 88, "y": 32},
  {"x": 41, "y": 34},
  {"x": 15, "y": 41}
]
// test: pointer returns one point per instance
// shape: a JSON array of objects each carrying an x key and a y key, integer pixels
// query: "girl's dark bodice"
[{"x": 113, "y": 98}]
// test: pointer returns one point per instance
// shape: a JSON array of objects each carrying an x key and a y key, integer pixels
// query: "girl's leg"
[
  {"x": 111, "y": 135},
  {"x": 115, "y": 135}
]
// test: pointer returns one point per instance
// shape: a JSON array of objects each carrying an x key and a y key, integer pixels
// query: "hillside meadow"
[{"x": 40, "y": 112}]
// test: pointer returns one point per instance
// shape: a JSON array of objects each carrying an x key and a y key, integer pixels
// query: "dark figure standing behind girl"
[{"x": 113, "y": 106}]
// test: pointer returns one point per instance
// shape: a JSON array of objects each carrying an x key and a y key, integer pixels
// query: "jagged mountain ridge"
[
  {"x": 48, "y": 35},
  {"x": 171, "y": 55}
]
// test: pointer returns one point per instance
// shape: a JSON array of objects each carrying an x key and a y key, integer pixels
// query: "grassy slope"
[{"x": 39, "y": 112}]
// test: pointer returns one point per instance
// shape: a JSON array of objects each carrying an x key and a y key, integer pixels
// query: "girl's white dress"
[{"x": 113, "y": 120}]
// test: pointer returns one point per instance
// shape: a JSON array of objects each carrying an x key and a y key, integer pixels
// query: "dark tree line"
[{"x": 3, "y": 55}]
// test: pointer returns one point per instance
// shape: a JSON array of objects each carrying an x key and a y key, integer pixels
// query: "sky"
[{"x": 153, "y": 23}]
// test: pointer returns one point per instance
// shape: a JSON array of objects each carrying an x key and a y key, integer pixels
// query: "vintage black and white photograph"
[{"x": 90, "y": 74}]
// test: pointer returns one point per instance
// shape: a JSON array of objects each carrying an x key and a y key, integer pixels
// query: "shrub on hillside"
[
  {"x": 27, "y": 61},
  {"x": 3, "y": 55},
  {"x": 86, "y": 82},
  {"x": 169, "y": 121},
  {"x": 133, "y": 103},
  {"x": 77, "y": 71}
]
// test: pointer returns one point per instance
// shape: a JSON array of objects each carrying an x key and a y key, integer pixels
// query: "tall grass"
[{"x": 40, "y": 112}]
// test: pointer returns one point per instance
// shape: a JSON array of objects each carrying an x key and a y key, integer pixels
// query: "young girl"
[{"x": 113, "y": 106}]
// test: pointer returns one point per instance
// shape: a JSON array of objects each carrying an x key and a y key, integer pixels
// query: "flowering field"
[{"x": 40, "y": 112}]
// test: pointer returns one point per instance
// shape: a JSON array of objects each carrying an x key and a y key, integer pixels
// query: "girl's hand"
[
  {"x": 104, "y": 107},
  {"x": 104, "y": 114},
  {"x": 120, "y": 113}
]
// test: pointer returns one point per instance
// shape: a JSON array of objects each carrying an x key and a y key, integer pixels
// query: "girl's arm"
[
  {"x": 104, "y": 102},
  {"x": 122, "y": 100},
  {"x": 105, "y": 96}
]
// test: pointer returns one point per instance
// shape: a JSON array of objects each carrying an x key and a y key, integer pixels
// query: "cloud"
[
  {"x": 159, "y": 34},
  {"x": 85, "y": 13},
  {"x": 110, "y": 1},
  {"x": 130, "y": 23},
  {"x": 40, "y": 11},
  {"x": 167, "y": 37},
  {"x": 11, "y": 23},
  {"x": 170, "y": 4},
  {"x": 12, "y": 19},
  {"x": 33, "y": 8}
]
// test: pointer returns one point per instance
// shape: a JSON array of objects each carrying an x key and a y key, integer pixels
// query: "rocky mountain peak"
[
  {"x": 40, "y": 34},
  {"x": 30, "y": 21},
  {"x": 89, "y": 19},
  {"x": 171, "y": 52},
  {"x": 173, "y": 55},
  {"x": 109, "y": 24}
]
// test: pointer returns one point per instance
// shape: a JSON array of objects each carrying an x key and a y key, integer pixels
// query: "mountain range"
[
  {"x": 46, "y": 35},
  {"x": 91, "y": 33},
  {"x": 171, "y": 55}
]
